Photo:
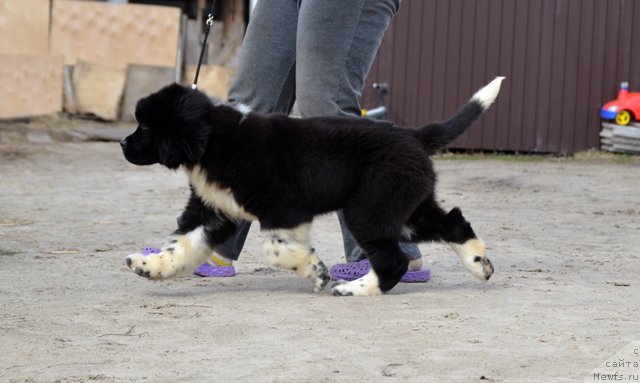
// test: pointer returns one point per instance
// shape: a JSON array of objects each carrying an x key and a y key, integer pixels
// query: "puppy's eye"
[{"x": 144, "y": 128}]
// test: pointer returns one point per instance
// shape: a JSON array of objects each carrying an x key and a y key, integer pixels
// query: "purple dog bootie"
[{"x": 354, "y": 270}]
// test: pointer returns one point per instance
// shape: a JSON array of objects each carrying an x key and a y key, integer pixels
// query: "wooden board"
[
  {"x": 30, "y": 85},
  {"x": 98, "y": 89},
  {"x": 24, "y": 27},
  {"x": 622, "y": 139},
  {"x": 115, "y": 34}
]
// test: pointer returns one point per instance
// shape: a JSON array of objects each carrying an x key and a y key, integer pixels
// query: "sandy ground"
[{"x": 564, "y": 236}]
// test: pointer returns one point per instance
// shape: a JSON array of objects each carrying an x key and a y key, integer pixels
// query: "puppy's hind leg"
[
  {"x": 289, "y": 249},
  {"x": 470, "y": 249},
  {"x": 377, "y": 229},
  {"x": 388, "y": 264},
  {"x": 430, "y": 223}
]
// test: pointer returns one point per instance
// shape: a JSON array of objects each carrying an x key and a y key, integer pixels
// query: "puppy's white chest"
[{"x": 216, "y": 197}]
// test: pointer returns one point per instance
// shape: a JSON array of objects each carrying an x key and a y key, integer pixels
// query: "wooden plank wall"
[
  {"x": 562, "y": 58},
  {"x": 115, "y": 34},
  {"x": 24, "y": 27},
  {"x": 30, "y": 79},
  {"x": 30, "y": 85}
]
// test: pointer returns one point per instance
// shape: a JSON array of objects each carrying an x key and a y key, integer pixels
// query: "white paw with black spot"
[
  {"x": 480, "y": 267},
  {"x": 322, "y": 276},
  {"x": 152, "y": 266},
  {"x": 341, "y": 289},
  {"x": 365, "y": 286}
]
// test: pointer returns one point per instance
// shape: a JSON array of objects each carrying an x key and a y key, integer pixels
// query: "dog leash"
[{"x": 207, "y": 29}]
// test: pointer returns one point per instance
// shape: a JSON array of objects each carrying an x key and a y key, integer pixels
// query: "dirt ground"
[{"x": 563, "y": 234}]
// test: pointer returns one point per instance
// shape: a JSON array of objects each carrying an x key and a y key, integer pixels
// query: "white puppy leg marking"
[
  {"x": 289, "y": 249},
  {"x": 487, "y": 95},
  {"x": 182, "y": 255},
  {"x": 472, "y": 255},
  {"x": 366, "y": 286}
]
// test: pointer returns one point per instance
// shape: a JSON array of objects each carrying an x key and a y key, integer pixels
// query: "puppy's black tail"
[{"x": 437, "y": 136}]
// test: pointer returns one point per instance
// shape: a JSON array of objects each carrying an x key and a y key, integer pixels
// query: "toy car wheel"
[{"x": 623, "y": 118}]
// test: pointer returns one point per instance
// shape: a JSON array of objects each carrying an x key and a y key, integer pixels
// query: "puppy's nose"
[{"x": 123, "y": 142}]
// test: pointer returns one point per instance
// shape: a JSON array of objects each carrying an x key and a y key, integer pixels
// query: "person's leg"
[
  {"x": 266, "y": 61},
  {"x": 337, "y": 43},
  {"x": 264, "y": 79}
]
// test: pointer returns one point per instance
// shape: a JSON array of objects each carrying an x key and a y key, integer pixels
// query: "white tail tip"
[{"x": 487, "y": 95}]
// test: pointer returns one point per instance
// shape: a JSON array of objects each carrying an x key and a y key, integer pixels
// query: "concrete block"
[{"x": 143, "y": 80}]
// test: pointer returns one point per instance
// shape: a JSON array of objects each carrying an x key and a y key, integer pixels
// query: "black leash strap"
[{"x": 207, "y": 29}]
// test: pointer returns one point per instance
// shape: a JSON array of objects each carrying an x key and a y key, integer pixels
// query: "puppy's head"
[{"x": 172, "y": 128}]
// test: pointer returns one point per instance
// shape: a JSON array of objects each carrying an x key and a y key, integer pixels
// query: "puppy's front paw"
[
  {"x": 152, "y": 266},
  {"x": 315, "y": 270},
  {"x": 138, "y": 264},
  {"x": 321, "y": 276}
]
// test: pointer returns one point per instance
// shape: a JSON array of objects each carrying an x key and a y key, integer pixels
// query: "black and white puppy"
[{"x": 283, "y": 171}]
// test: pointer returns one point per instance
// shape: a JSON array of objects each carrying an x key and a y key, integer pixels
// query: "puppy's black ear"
[
  {"x": 183, "y": 128},
  {"x": 176, "y": 151},
  {"x": 169, "y": 154}
]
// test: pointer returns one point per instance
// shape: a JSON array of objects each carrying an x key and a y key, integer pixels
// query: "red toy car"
[{"x": 623, "y": 110}]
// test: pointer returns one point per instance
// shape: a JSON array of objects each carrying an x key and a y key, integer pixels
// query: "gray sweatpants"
[{"x": 316, "y": 53}]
